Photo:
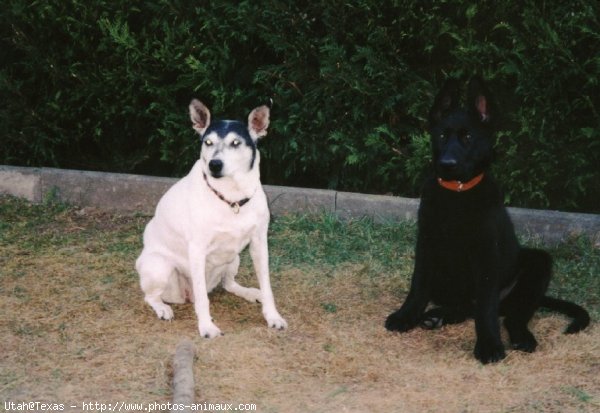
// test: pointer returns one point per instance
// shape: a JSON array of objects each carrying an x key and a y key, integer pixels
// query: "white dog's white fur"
[{"x": 193, "y": 242}]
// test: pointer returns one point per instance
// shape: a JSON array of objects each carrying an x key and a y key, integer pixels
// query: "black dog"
[{"x": 468, "y": 260}]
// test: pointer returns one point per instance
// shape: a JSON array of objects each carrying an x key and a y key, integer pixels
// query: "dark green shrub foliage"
[{"x": 104, "y": 85}]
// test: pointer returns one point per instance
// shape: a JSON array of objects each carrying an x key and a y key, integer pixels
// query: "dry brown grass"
[{"x": 74, "y": 328}]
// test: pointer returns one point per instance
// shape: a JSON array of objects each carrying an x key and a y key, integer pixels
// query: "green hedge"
[{"x": 104, "y": 85}]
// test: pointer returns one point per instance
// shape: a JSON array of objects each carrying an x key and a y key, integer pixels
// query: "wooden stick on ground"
[{"x": 183, "y": 373}]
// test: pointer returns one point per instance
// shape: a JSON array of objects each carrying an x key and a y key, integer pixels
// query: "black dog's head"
[{"x": 461, "y": 135}]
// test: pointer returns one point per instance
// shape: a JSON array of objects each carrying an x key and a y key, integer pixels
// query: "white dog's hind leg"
[
  {"x": 178, "y": 289},
  {"x": 230, "y": 285},
  {"x": 155, "y": 272},
  {"x": 249, "y": 294}
]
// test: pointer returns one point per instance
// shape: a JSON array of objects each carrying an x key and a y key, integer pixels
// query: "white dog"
[{"x": 203, "y": 222}]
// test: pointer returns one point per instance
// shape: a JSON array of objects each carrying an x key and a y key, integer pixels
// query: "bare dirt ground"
[{"x": 74, "y": 329}]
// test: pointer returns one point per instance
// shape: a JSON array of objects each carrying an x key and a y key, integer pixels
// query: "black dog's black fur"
[{"x": 468, "y": 260}]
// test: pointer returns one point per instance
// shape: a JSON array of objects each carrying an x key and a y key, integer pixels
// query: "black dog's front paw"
[
  {"x": 402, "y": 321},
  {"x": 488, "y": 351}
]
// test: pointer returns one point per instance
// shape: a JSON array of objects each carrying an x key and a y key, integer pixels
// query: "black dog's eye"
[
  {"x": 446, "y": 134},
  {"x": 465, "y": 137},
  {"x": 235, "y": 143},
  {"x": 208, "y": 142}
]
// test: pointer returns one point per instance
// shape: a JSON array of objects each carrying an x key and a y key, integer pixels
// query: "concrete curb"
[{"x": 135, "y": 193}]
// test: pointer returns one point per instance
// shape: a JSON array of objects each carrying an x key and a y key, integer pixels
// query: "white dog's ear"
[
  {"x": 258, "y": 122},
  {"x": 200, "y": 116}
]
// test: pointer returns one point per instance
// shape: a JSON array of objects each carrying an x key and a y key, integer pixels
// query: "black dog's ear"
[
  {"x": 480, "y": 99},
  {"x": 446, "y": 100}
]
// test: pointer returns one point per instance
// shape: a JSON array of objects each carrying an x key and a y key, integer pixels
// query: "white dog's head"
[{"x": 228, "y": 146}]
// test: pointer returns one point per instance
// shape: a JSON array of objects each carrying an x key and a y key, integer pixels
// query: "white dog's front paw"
[
  {"x": 276, "y": 321},
  {"x": 209, "y": 330}
]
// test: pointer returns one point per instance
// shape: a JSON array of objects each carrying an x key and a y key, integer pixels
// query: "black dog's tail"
[{"x": 581, "y": 318}]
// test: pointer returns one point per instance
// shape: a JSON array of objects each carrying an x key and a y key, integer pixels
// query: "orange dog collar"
[{"x": 458, "y": 186}]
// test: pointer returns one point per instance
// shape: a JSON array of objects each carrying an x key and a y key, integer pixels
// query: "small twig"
[{"x": 183, "y": 373}]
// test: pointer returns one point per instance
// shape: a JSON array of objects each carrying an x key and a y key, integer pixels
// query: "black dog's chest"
[
  {"x": 454, "y": 267},
  {"x": 454, "y": 234}
]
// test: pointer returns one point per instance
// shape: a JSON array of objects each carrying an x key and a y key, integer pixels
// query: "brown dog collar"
[
  {"x": 235, "y": 206},
  {"x": 458, "y": 186}
]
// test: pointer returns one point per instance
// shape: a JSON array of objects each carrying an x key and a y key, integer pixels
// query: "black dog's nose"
[
  {"x": 448, "y": 162},
  {"x": 215, "y": 166}
]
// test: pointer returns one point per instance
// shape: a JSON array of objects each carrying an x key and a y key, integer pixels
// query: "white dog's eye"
[
  {"x": 208, "y": 142},
  {"x": 235, "y": 143}
]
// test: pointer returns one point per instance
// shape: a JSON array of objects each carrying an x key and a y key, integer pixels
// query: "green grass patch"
[{"x": 327, "y": 241}]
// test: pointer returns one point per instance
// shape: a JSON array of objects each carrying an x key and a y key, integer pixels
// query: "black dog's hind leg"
[
  {"x": 534, "y": 269},
  {"x": 440, "y": 316}
]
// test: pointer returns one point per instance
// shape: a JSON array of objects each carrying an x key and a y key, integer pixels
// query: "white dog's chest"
[
  {"x": 226, "y": 246},
  {"x": 222, "y": 253}
]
